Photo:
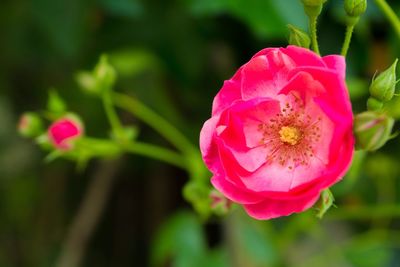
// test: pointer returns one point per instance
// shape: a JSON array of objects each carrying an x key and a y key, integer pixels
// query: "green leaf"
[
  {"x": 266, "y": 18},
  {"x": 123, "y": 8},
  {"x": 55, "y": 104},
  {"x": 253, "y": 244},
  {"x": 131, "y": 62},
  {"x": 181, "y": 239}
]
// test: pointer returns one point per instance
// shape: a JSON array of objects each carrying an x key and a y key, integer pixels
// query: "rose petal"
[{"x": 271, "y": 208}]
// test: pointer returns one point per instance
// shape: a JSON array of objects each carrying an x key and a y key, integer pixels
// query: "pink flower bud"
[
  {"x": 63, "y": 132},
  {"x": 30, "y": 125}
]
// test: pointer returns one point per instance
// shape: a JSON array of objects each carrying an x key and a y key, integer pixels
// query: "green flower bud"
[
  {"x": 313, "y": 7},
  {"x": 324, "y": 203},
  {"x": 87, "y": 82},
  {"x": 30, "y": 125},
  {"x": 313, "y": 2},
  {"x": 100, "y": 80},
  {"x": 104, "y": 74},
  {"x": 383, "y": 86},
  {"x": 374, "y": 104},
  {"x": 355, "y": 8},
  {"x": 372, "y": 130},
  {"x": 298, "y": 37}
]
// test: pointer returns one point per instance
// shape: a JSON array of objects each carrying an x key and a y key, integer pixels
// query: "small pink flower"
[
  {"x": 280, "y": 131},
  {"x": 64, "y": 132}
]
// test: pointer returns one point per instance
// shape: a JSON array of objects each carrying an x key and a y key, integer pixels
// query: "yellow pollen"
[{"x": 290, "y": 135}]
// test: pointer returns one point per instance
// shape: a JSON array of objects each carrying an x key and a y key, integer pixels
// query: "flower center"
[{"x": 290, "y": 135}]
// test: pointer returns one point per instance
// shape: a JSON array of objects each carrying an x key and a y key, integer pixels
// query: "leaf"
[
  {"x": 266, "y": 18},
  {"x": 123, "y": 8},
  {"x": 131, "y": 62},
  {"x": 180, "y": 239}
]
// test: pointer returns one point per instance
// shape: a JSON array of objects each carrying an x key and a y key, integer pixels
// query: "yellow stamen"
[{"x": 290, "y": 135}]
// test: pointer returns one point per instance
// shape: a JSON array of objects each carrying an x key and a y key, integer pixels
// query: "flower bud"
[
  {"x": 313, "y": 7},
  {"x": 30, "y": 125},
  {"x": 298, "y": 37},
  {"x": 100, "y": 80},
  {"x": 374, "y": 104},
  {"x": 87, "y": 82},
  {"x": 65, "y": 131},
  {"x": 104, "y": 74},
  {"x": 313, "y": 2},
  {"x": 372, "y": 130},
  {"x": 324, "y": 203},
  {"x": 383, "y": 86},
  {"x": 355, "y": 8}
]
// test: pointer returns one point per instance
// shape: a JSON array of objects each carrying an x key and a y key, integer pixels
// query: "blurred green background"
[{"x": 174, "y": 55}]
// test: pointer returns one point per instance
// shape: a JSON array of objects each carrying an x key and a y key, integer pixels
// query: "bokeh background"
[{"x": 174, "y": 55}]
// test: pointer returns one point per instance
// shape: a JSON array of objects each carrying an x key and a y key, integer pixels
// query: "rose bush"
[{"x": 280, "y": 131}]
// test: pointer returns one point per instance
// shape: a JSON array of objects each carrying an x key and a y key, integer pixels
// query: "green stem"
[
  {"x": 347, "y": 39},
  {"x": 313, "y": 31},
  {"x": 156, "y": 152},
  {"x": 158, "y": 123},
  {"x": 112, "y": 115},
  {"x": 389, "y": 13},
  {"x": 106, "y": 147}
]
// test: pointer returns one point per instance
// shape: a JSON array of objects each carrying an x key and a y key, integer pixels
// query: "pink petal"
[
  {"x": 264, "y": 75},
  {"x": 336, "y": 63},
  {"x": 233, "y": 192},
  {"x": 303, "y": 57},
  {"x": 208, "y": 146},
  {"x": 271, "y": 208},
  {"x": 229, "y": 93}
]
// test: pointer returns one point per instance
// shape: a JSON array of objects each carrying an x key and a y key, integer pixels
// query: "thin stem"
[
  {"x": 111, "y": 114},
  {"x": 313, "y": 31},
  {"x": 389, "y": 13},
  {"x": 104, "y": 147},
  {"x": 347, "y": 39},
  {"x": 158, "y": 123},
  {"x": 156, "y": 152}
]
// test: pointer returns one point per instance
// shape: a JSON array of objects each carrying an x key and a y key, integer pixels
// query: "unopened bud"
[
  {"x": 372, "y": 130},
  {"x": 298, "y": 37},
  {"x": 104, "y": 74},
  {"x": 313, "y": 7},
  {"x": 65, "y": 131},
  {"x": 374, "y": 104},
  {"x": 313, "y": 2},
  {"x": 30, "y": 125},
  {"x": 324, "y": 203},
  {"x": 87, "y": 82},
  {"x": 100, "y": 80},
  {"x": 383, "y": 86},
  {"x": 355, "y": 8}
]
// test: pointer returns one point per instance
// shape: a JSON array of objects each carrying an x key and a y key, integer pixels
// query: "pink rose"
[
  {"x": 63, "y": 132},
  {"x": 280, "y": 131}
]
